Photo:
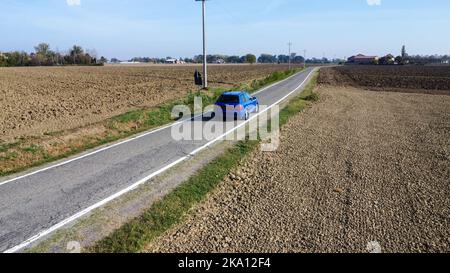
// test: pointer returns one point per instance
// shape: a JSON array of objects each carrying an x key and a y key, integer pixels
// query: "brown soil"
[
  {"x": 356, "y": 170},
  {"x": 411, "y": 79},
  {"x": 41, "y": 100}
]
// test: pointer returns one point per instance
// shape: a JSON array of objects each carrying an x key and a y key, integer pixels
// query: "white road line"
[
  {"x": 121, "y": 142},
  {"x": 142, "y": 181}
]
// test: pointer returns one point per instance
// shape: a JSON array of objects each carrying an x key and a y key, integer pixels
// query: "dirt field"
[
  {"x": 357, "y": 170},
  {"x": 416, "y": 79},
  {"x": 41, "y": 100}
]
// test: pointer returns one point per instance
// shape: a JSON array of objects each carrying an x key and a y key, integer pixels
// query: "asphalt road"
[{"x": 35, "y": 204}]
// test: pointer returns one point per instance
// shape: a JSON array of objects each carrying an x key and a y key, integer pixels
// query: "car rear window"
[{"x": 232, "y": 99}]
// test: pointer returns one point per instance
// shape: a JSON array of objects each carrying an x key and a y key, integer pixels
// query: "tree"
[
  {"x": 233, "y": 59},
  {"x": 250, "y": 58},
  {"x": 44, "y": 56},
  {"x": 298, "y": 59},
  {"x": 389, "y": 59},
  {"x": 42, "y": 48},
  {"x": 76, "y": 53},
  {"x": 283, "y": 59},
  {"x": 267, "y": 58},
  {"x": 404, "y": 54},
  {"x": 103, "y": 60},
  {"x": 2, "y": 60},
  {"x": 76, "y": 50}
]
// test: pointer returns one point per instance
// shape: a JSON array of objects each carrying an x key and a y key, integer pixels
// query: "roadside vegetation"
[
  {"x": 34, "y": 151},
  {"x": 44, "y": 56},
  {"x": 174, "y": 207}
]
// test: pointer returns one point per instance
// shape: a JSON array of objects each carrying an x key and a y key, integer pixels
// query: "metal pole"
[{"x": 205, "y": 59}]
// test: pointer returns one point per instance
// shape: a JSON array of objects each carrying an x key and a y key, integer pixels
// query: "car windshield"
[{"x": 229, "y": 99}]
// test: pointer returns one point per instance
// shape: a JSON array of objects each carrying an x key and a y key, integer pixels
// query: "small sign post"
[{"x": 198, "y": 78}]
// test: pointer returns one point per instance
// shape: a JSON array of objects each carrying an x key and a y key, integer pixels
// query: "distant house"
[
  {"x": 445, "y": 61},
  {"x": 220, "y": 61},
  {"x": 174, "y": 61},
  {"x": 171, "y": 61},
  {"x": 129, "y": 62},
  {"x": 362, "y": 59}
]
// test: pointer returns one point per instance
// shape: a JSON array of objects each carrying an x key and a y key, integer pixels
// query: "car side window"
[{"x": 244, "y": 99}]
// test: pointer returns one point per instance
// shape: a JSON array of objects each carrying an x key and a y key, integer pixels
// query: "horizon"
[{"x": 124, "y": 31}]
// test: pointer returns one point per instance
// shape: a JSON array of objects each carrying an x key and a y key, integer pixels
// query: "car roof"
[{"x": 234, "y": 93}]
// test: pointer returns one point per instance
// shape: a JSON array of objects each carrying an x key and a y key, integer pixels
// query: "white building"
[{"x": 174, "y": 61}]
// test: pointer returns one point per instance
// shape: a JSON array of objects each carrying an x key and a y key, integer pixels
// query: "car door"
[
  {"x": 250, "y": 104},
  {"x": 246, "y": 102}
]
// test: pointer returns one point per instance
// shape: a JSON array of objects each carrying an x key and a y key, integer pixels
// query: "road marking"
[
  {"x": 122, "y": 142},
  {"x": 143, "y": 180}
]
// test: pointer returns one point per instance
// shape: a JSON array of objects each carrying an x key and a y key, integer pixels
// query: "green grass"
[
  {"x": 9, "y": 156},
  {"x": 34, "y": 149},
  {"x": 173, "y": 208},
  {"x": 3, "y": 148},
  {"x": 130, "y": 116},
  {"x": 274, "y": 77}
]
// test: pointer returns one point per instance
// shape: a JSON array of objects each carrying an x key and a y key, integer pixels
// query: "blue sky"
[{"x": 160, "y": 28}]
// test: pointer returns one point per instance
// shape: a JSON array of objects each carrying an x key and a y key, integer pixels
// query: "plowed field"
[
  {"x": 40, "y": 100},
  {"x": 416, "y": 79}
]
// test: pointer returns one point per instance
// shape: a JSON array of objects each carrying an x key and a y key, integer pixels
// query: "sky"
[{"x": 161, "y": 28}]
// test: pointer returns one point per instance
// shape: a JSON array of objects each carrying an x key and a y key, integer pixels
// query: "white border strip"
[
  {"x": 121, "y": 142},
  {"x": 143, "y": 180}
]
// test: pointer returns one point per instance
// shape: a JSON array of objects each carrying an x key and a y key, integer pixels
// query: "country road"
[{"x": 34, "y": 204}]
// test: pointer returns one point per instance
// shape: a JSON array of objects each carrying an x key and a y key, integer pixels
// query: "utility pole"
[
  {"x": 205, "y": 59},
  {"x": 290, "y": 45}
]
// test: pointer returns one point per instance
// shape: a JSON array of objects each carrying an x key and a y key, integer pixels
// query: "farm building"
[
  {"x": 362, "y": 59},
  {"x": 174, "y": 61}
]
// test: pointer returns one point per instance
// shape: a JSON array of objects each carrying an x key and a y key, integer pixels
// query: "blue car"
[{"x": 238, "y": 105}]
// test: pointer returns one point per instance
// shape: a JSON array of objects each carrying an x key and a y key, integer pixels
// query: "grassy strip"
[
  {"x": 25, "y": 153},
  {"x": 173, "y": 208}
]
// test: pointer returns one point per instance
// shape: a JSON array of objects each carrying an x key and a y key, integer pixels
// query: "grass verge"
[
  {"x": 35, "y": 151},
  {"x": 174, "y": 207}
]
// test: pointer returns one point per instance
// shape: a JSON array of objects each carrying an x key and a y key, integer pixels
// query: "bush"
[{"x": 312, "y": 97}]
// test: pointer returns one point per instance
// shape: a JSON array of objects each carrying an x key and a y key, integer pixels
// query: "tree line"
[
  {"x": 234, "y": 59},
  {"x": 44, "y": 56},
  {"x": 249, "y": 58}
]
